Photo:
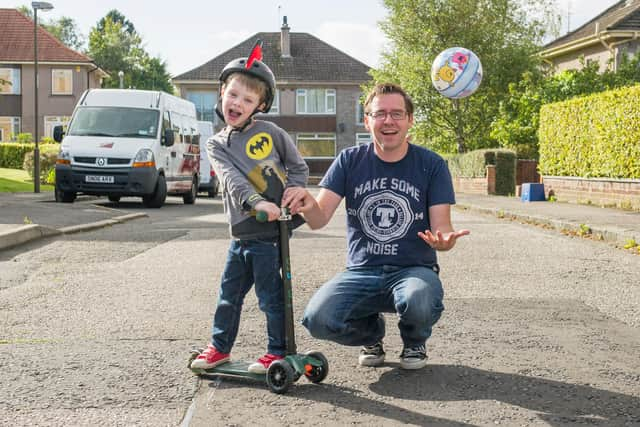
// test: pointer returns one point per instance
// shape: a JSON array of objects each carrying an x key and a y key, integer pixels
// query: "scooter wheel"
[
  {"x": 316, "y": 374},
  {"x": 279, "y": 376},
  {"x": 192, "y": 357}
]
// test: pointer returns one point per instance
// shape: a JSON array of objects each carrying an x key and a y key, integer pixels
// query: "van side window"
[
  {"x": 166, "y": 123},
  {"x": 177, "y": 129},
  {"x": 186, "y": 132},
  {"x": 195, "y": 139}
]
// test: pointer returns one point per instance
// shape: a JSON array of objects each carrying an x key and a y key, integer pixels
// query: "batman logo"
[{"x": 259, "y": 146}]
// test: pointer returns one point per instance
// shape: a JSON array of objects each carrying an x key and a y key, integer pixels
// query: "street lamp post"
[
  {"x": 36, "y": 5},
  {"x": 121, "y": 76}
]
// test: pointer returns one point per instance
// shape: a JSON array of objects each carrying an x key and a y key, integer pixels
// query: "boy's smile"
[{"x": 238, "y": 103}]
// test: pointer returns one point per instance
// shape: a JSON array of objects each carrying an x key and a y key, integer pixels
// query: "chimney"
[{"x": 285, "y": 44}]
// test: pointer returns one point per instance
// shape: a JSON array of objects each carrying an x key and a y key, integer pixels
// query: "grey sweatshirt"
[{"x": 253, "y": 165}]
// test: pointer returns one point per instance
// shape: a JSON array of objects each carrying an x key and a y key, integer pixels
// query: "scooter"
[{"x": 284, "y": 372}]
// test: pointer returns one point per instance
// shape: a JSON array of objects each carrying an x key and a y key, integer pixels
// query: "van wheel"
[
  {"x": 213, "y": 192},
  {"x": 190, "y": 197},
  {"x": 159, "y": 195},
  {"x": 114, "y": 199},
  {"x": 64, "y": 196}
]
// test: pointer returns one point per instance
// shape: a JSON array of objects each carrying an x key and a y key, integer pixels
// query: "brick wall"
[
  {"x": 486, "y": 185},
  {"x": 621, "y": 193}
]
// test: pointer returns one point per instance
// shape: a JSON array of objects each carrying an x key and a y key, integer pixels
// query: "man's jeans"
[
  {"x": 346, "y": 309},
  {"x": 249, "y": 262}
]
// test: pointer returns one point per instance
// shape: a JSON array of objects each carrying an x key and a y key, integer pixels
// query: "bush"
[
  {"x": 12, "y": 154},
  {"x": 51, "y": 177},
  {"x": 505, "y": 162},
  {"x": 48, "y": 157},
  {"x": 24, "y": 138},
  {"x": 474, "y": 165},
  {"x": 592, "y": 136}
]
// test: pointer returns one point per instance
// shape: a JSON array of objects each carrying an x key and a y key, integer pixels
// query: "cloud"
[
  {"x": 205, "y": 49},
  {"x": 363, "y": 42}
]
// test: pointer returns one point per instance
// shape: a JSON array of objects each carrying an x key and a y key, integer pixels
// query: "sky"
[{"x": 188, "y": 33}]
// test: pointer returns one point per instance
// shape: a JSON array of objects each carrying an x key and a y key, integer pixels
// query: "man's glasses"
[{"x": 382, "y": 115}]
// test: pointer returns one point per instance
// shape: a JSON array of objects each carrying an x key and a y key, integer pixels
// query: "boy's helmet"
[{"x": 253, "y": 66}]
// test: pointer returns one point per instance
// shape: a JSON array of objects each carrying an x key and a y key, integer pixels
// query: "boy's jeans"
[
  {"x": 346, "y": 309},
  {"x": 248, "y": 262}
]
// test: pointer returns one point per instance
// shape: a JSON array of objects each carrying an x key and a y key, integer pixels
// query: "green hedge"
[
  {"x": 12, "y": 154},
  {"x": 474, "y": 165},
  {"x": 48, "y": 157},
  {"x": 593, "y": 136}
]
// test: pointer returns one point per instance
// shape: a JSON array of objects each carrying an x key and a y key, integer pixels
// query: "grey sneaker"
[
  {"x": 413, "y": 357},
  {"x": 371, "y": 355}
]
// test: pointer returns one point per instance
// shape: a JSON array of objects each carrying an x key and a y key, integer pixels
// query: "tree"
[
  {"x": 116, "y": 16},
  {"x": 115, "y": 46},
  {"x": 518, "y": 119},
  {"x": 503, "y": 33},
  {"x": 64, "y": 29}
]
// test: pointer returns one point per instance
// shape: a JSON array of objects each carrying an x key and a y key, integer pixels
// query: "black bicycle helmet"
[{"x": 253, "y": 66}]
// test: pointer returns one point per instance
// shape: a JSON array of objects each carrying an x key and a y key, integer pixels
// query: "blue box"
[{"x": 532, "y": 192}]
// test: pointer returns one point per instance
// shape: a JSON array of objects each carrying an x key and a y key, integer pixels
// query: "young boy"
[{"x": 255, "y": 160}]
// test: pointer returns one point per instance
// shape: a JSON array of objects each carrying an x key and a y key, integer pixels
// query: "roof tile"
[
  {"x": 617, "y": 17},
  {"x": 16, "y": 41},
  {"x": 311, "y": 60}
]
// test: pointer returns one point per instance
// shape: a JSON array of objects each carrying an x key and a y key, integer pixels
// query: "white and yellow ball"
[{"x": 456, "y": 73}]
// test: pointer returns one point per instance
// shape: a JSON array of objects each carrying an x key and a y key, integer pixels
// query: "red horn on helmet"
[{"x": 256, "y": 53}]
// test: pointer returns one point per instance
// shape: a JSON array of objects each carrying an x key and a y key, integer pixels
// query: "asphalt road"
[{"x": 539, "y": 329}]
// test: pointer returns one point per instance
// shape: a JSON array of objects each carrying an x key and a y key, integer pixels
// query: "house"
[
  {"x": 63, "y": 75},
  {"x": 318, "y": 92},
  {"x": 604, "y": 39}
]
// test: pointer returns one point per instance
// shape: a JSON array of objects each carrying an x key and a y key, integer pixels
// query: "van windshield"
[{"x": 115, "y": 122}]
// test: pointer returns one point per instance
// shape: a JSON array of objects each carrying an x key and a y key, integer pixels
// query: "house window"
[
  {"x": 317, "y": 145},
  {"x": 316, "y": 101},
  {"x": 205, "y": 104},
  {"x": 10, "y": 81},
  {"x": 363, "y": 138},
  {"x": 61, "y": 82},
  {"x": 359, "y": 112},
  {"x": 275, "y": 107},
  {"x": 51, "y": 121},
  {"x": 9, "y": 127}
]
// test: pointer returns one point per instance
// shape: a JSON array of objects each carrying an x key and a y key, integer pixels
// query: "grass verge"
[{"x": 18, "y": 181}]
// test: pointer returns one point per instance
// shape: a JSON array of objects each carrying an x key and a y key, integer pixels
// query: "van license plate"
[{"x": 102, "y": 179}]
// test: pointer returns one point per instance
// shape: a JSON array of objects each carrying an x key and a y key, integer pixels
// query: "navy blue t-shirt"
[{"x": 387, "y": 203}]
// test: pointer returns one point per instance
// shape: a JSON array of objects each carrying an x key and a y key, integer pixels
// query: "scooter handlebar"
[{"x": 262, "y": 216}]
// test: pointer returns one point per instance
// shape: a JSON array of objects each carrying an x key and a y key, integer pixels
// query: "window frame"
[
  {"x": 51, "y": 121},
  {"x": 275, "y": 107},
  {"x": 200, "y": 111},
  {"x": 15, "y": 79},
  {"x": 363, "y": 136},
  {"x": 14, "y": 124},
  {"x": 67, "y": 72},
  {"x": 318, "y": 136},
  {"x": 359, "y": 111},
  {"x": 328, "y": 93}
]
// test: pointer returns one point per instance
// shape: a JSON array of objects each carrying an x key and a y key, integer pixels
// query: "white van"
[
  {"x": 123, "y": 142},
  {"x": 208, "y": 177}
]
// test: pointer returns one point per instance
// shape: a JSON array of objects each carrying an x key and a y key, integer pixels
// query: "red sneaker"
[
  {"x": 261, "y": 366},
  {"x": 209, "y": 358}
]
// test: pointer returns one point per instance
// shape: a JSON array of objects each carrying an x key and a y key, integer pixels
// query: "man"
[{"x": 398, "y": 198}]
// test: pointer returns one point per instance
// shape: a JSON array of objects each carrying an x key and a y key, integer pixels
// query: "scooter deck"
[{"x": 237, "y": 368}]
